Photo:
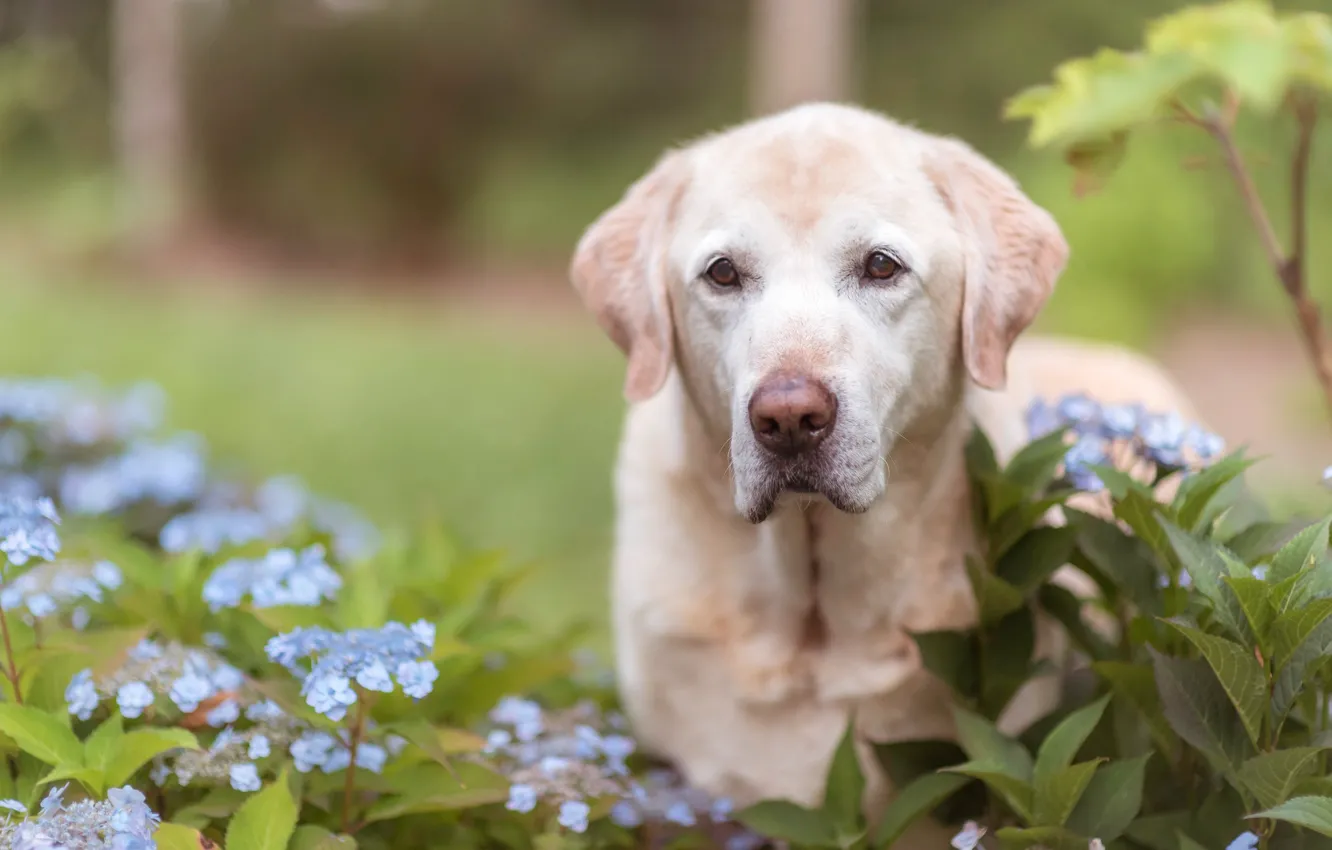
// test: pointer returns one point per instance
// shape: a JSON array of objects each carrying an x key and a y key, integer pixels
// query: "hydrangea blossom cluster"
[
  {"x": 329, "y": 753},
  {"x": 51, "y": 588},
  {"x": 1129, "y": 434},
  {"x": 281, "y": 577},
  {"x": 122, "y": 821},
  {"x": 576, "y": 756},
  {"x": 167, "y": 473},
  {"x": 56, "y": 413},
  {"x": 330, "y": 662},
  {"x": 28, "y": 530},
  {"x": 188, "y": 677},
  {"x": 234, "y": 756}
]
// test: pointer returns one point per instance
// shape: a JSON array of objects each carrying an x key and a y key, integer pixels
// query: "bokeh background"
[{"x": 336, "y": 231}]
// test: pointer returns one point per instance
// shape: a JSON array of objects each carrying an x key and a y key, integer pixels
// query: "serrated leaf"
[
  {"x": 1014, "y": 790},
  {"x": 983, "y": 742},
  {"x": 1198, "y": 490},
  {"x": 88, "y": 777},
  {"x": 1301, "y": 553},
  {"x": 789, "y": 822},
  {"x": 1240, "y": 42},
  {"x": 1271, "y": 777},
  {"x": 1035, "y": 464},
  {"x": 137, "y": 748},
  {"x": 1112, "y": 800},
  {"x": 1262, "y": 540},
  {"x": 101, "y": 744},
  {"x": 844, "y": 786},
  {"x": 995, "y": 598},
  {"x": 1309, "y": 812},
  {"x": 1062, "y": 744},
  {"x": 1143, "y": 516},
  {"x": 1292, "y": 629},
  {"x": 267, "y": 820},
  {"x": 1124, "y": 559},
  {"x": 1200, "y": 711},
  {"x": 951, "y": 656},
  {"x": 317, "y": 838},
  {"x": 1035, "y": 557},
  {"x": 1137, "y": 685},
  {"x": 41, "y": 734},
  {"x": 1252, "y": 594},
  {"x": 913, "y": 801},
  {"x": 1208, "y": 566},
  {"x": 1241, "y": 675},
  {"x": 1303, "y": 661},
  {"x": 441, "y": 744},
  {"x": 1056, "y": 794}
]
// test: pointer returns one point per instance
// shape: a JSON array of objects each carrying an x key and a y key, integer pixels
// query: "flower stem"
[
  {"x": 11, "y": 672},
  {"x": 349, "y": 788}
]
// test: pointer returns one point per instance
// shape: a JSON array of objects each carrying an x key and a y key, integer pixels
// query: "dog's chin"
[{"x": 756, "y": 504}]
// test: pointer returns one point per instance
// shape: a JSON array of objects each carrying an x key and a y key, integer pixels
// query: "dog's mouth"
[{"x": 803, "y": 483}]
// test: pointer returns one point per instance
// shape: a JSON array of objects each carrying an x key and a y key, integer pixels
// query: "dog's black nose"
[{"x": 791, "y": 414}]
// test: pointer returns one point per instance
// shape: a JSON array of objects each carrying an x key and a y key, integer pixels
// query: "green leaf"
[
  {"x": 1271, "y": 777},
  {"x": 1052, "y": 837},
  {"x": 1009, "y": 665},
  {"x": 1292, "y": 629},
  {"x": 88, "y": 777},
  {"x": 41, "y": 734},
  {"x": 1304, "y": 660},
  {"x": 317, "y": 838},
  {"x": 1239, "y": 42},
  {"x": 1136, "y": 684},
  {"x": 174, "y": 836},
  {"x": 137, "y": 748},
  {"x": 1309, "y": 812},
  {"x": 1252, "y": 595},
  {"x": 1200, "y": 711},
  {"x": 844, "y": 786},
  {"x": 439, "y": 743},
  {"x": 1262, "y": 540},
  {"x": 916, "y": 799},
  {"x": 101, "y": 744},
  {"x": 1035, "y": 557},
  {"x": 1062, "y": 744},
  {"x": 1064, "y": 606},
  {"x": 1035, "y": 464},
  {"x": 995, "y": 598},
  {"x": 1111, "y": 801},
  {"x": 953, "y": 657},
  {"x": 1239, "y": 672},
  {"x": 1014, "y": 789},
  {"x": 1197, "y": 491},
  {"x": 983, "y": 742},
  {"x": 1301, "y": 553},
  {"x": 1122, "y": 558},
  {"x": 980, "y": 454},
  {"x": 1056, "y": 794},
  {"x": 1142, "y": 515},
  {"x": 469, "y": 785},
  {"x": 907, "y": 761},
  {"x": 788, "y": 822},
  {"x": 267, "y": 820},
  {"x": 1208, "y": 565}
]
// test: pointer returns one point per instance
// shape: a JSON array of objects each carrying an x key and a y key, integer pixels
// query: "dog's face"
[{"x": 820, "y": 278}]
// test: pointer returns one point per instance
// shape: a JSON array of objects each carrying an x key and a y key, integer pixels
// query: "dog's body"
[{"x": 817, "y": 307}]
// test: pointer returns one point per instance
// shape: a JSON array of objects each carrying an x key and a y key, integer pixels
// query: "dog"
[{"x": 816, "y": 307}]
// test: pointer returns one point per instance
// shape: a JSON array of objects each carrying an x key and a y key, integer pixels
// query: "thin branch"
[
  {"x": 1306, "y": 114},
  {"x": 1253, "y": 202}
]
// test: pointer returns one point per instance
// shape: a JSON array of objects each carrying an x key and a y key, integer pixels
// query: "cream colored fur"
[{"x": 719, "y": 572}]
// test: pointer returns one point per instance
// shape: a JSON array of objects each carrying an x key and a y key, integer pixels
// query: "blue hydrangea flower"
[
  {"x": 107, "y": 575},
  {"x": 264, "y": 711},
  {"x": 1163, "y": 437},
  {"x": 522, "y": 798},
  {"x": 260, "y": 747},
  {"x": 1090, "y": 450},
  {"x": 1244, "y": 841},
  {"x": 681, "y": 813},
  {"x": 14, "y": 806},
  {"x": 224, "y": 713},
  {"x": 215, "y": 640},
  {"x": 27, "y": 530},
  {"x": 626, "y": 815},
  {"x": 167, "y": 473},
  {"x": 573, "y": 815},
  {"x": 337, "y": 658},
  {"x": 190, "y": 690},
  {"x": 523, "y": 715},
  {"x": 371, "y": 757},
  {"x": 281, "y": 577},
  {"x": 375, "y": 678},
  {"x": 81, "y": 695},
  {"x": 245, "y": 777},
  {"x": 42, "y": 605},
  {"x": 133, "y": 698},
  {"x": 208, "y": 531},
  {"x": 312, "y": 750}
]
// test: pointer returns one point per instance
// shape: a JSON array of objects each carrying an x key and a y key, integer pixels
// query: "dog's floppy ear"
[
  {"x": 619, "y": 270},
  {"x": 1014, "y": 253}
]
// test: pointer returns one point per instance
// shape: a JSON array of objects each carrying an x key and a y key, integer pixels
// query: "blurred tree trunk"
[
  {"x": 148, "y": 114},
  {"x": 801, "y": 50}
]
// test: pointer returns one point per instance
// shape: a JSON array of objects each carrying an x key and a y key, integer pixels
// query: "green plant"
[{"x": 1198, "y": 67}]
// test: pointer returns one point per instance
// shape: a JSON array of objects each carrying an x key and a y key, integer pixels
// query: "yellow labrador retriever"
[{"x": 816, "y": 306}]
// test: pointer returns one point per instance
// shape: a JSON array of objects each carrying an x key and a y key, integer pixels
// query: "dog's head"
[{"x": 821, "y": 278}]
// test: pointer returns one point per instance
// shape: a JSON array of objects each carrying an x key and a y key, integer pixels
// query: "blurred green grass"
[{"x": 503, "y": 425}]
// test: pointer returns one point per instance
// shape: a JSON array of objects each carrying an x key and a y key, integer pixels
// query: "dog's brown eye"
[
  {"x": 880, "y": 266},
  {"x": 722, "y": 272}
]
